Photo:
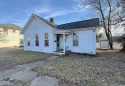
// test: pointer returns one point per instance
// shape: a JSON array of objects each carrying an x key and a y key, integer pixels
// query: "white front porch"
[{"x": 61, "y": 36}]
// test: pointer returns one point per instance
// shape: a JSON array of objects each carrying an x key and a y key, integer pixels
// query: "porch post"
[{"x": 64, "y": 43}]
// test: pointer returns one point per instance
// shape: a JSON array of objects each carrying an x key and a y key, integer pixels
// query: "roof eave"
[{"x": 79, "y": 29}]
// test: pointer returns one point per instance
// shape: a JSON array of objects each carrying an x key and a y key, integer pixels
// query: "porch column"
[{"x": 64, "y": 44}]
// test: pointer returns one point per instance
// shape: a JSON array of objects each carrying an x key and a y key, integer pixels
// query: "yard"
[
  {"x": 105, "y": 69},
  {"x": 20, "y": 56}
]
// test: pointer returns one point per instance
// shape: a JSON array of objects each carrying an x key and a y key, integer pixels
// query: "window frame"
[
  {"x": 5, "y": 31},
  {"x": 14, "y": 31},
  {"x": 75, "y": 40},
  {"x": 28, "y": 41},
  {"x": 36, "y": 39},
  {"x": 46, "y": 39}
]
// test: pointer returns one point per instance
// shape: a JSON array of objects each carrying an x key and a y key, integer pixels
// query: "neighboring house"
[
  {"x": 116, "y": 45},
  {"x": 44, "y": 36},
  {"x": 10, "y": 36},
  {"x": 116, "y": 34}
]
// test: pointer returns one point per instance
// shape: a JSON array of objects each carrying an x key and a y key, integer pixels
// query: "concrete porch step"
[{"x": 59, "y": 53}]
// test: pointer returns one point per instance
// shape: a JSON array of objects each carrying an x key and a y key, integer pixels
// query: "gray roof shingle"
[
  {"x": 74, "y": 25},
  {"x": 80, "y": 24}
]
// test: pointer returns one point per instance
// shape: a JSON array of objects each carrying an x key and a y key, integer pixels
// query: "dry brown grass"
[
  {"x": 20, "y": 56},
  {"x": 105, "y": 69}
]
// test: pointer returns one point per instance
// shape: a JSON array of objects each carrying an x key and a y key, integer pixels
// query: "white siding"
[
  {"x": 86, "y": 42},
  {"x": 39, "y": 27},
  {"x": 69, "y": 42}
]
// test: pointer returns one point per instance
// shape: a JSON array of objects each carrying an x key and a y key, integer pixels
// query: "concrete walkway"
[{"x": 22, "y": 75}]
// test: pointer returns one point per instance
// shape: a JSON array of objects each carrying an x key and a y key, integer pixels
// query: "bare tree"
[
  {"x": 121, "y": 40},
  {"x": 120, "y": 20},
  {"x": 107, "y": 10},
  {"x": 123, "y": 49},
  {"x": 119, "y": 15}
]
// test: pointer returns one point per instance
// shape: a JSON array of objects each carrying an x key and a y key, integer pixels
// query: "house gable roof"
[
  {"x": 74, "y": 25},
  {"x": 10, "y": 26},
  {"x": 46, "y": 21},
  {"x": 80, "y": 24},
  {"x": 32, "y": 17}
]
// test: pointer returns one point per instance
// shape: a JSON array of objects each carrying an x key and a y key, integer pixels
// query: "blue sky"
[{"x": 63, "y": 11}]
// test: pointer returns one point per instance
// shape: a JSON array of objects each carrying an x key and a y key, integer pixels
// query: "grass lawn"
[
  {"x": 20, "y": 56},
  {"x": 105, "y": 69}
]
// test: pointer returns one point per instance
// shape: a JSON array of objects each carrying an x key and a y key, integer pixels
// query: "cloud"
[
  {"x": 37, "y": 10},
  {"x": 61, "y": 13},
  {"x": 43, "y": 9},
  {"x": 20, "y": 22},
  {"x": 54, "y": 14},
  {"x": 81, "y": 4},
  {"x": 48, "y": 11},
  {"x": 40, "y": 8},
  {"x": 16, "y": 19},
  {"x": 87, "y": 6}
]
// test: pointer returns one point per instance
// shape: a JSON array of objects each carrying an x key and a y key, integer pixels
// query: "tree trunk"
[
  {"x": 109, "y": 37},
  {"x": 123, "y": 49},
  {"x": 110, "y": 42},
  {"x": 111, "y": 45}
]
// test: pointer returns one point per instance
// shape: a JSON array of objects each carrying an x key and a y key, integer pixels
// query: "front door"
[{"x": 58, "y": 44}]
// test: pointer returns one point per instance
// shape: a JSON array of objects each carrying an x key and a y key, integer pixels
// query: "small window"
[
  {"x": 28, "y": 41},
  {"x": 75, "y": 39},
  {"x": 46, "y": 39},
  {"x": 5, "y": 31},
  {"x": 21, "y": 41},
  {"x": 37, "y": 40},
  {"x": 14, "y": 31}
]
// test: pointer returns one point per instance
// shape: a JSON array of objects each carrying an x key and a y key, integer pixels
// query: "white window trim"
[
  {"x": 77, "y": 40},
  {"x": 46, "y": 39}
]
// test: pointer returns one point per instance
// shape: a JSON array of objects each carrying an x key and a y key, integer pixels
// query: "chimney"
[{"x": 52, "y": 20}]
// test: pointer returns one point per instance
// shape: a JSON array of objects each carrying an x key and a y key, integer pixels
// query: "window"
[
  {"x": 28, "y": 41},
  {"x": 75, "y": 39},
  {"x": 5, "y": 31},
  {"x": 37, "y": 40},
  {"x": 14, "y": 31},
  {"x": 46, "y": 39}
]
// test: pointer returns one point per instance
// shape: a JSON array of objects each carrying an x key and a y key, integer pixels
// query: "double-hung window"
[
  {"x": 28, "y": 41},
  {"x": 37, "y": 40},
  {"x": 46, "y": 41},
  {"x": 75, "y": 39}
]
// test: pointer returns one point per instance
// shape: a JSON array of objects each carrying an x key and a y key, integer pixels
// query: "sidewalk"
[{"x": 23, "y": 75}]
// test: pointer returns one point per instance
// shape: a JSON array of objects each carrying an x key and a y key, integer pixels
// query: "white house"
[{"x": 45, "y": 36}]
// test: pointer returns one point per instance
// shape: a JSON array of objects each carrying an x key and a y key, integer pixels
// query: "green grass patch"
[
  {"x": 21, "y": 56},
  {"x": 96, "y": 71}
]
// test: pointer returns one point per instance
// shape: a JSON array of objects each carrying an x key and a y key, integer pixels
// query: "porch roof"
[{"x": 57, "y": 31}]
